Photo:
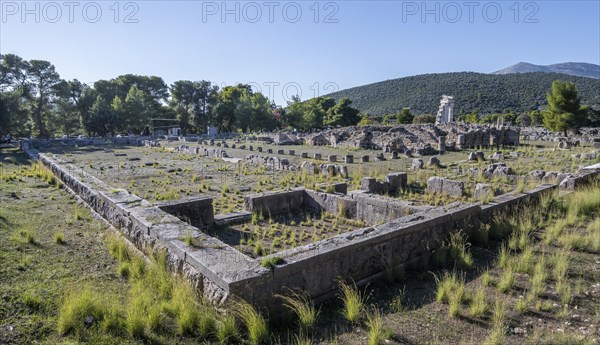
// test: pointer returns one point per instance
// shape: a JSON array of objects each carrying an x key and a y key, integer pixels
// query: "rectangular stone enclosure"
[{"x": 397, "y": 233}]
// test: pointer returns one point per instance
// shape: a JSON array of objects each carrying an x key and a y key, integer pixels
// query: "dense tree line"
[
  {"x": 35, "y": 101},
  {"x": 483, "y": 94}
]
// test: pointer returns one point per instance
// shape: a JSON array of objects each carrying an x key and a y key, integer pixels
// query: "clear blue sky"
[{"x": 352, "y": 42}]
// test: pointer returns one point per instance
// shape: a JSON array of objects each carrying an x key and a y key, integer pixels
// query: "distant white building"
[{"x": 446, "y": 110}]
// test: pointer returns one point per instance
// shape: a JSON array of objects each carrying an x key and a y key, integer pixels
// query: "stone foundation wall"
[
  {"x": 220, "y": 272},
  {"x": 198, "y": 212}
]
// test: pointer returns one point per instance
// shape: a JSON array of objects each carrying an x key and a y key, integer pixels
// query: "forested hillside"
[{"x": 473, "y": 92}]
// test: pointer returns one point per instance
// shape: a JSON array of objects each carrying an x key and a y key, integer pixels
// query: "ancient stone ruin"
[{"x": 445, "y": 112}]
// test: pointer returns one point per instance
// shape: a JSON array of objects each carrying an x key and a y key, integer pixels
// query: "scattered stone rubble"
[{"x": 418, "y": 140}]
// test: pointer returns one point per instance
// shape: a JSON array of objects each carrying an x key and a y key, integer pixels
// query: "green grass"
[
  {"x": 77, "y": 306},
  {"x": 227, "y": 331},
  {"x": 459, "y": 250},
  {"x": 353, "y": 302},
  {"x": 59, "y": 237},
  {"x": 478, "y": 305},
  {"x": 304, "y": 309},
  {"x": 256, "y": 326},
  {"x": 271, "y": 262},
  {"x": 506, "y": 280},
  {"x": 375, "y": 331}
]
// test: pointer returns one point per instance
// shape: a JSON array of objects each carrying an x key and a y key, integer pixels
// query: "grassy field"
[{"x": 532, "y": 277}]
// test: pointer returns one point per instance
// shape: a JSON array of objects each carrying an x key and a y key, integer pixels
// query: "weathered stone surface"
[
  {"x": 392, "y": 184},
  {"x": 483, "y": 191},
  {"x": 440, "y": 185},
  {"x": 417, "y": 164},
  {"x": 497, "y": 156},
  {"x": 274, "y": 202},
  {"x": 537, "y": 175},
  {"x": 434, "y": 162}
]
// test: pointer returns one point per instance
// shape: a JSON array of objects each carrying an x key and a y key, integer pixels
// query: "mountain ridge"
[
  {"x": 473, "y": 92},
  {"x": 580, "y": 69}
]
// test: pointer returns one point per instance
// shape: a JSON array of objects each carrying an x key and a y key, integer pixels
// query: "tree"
[
  {"x": 205, "y": 98},
  {"x": 342, "y": 114},
  {"x": 136, "y": 110},
  {"x": 404, "y": 117},
  {"x": 14, "y": 96},
  {"x": 225, "y": 109},
  {"x": 100, "y": 119},
  {"x": 365, "y": 121},
  {"x": 523, "y": 120},
  {"x": 564, "y": 110},
  {"x": 67, "y": 114},
  {"x": 293, "y": 115},
  {"x": 537, "y": 117},
  {"x": 42, "y": 78},
  {"x": 424, "y": 119}
]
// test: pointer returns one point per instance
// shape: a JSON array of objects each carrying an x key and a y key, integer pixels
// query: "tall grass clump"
[
  {"x": 76, "y": 307},
  {"x": 507, "y": 280},
  {"x": 118, "y": 249},
  {"x": 538, "y": 280},
  {"x": 560, "y": 264},
  {"x": 256, "y": 325},
  {"x": 304, "y": 309},
  {"x": 353, "y": 302},
  {"x": 227, "y": 331},
  {"x": 59, "y": 237},
  {"x": 500, "y": 228},
  {"x": 459, "y": 251},
  {"x": 497, "y": 335},
  {"x": 450, "y": 289},
  {"x": 478, "y": 305},
  {"x": 376, "y": 333}
]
